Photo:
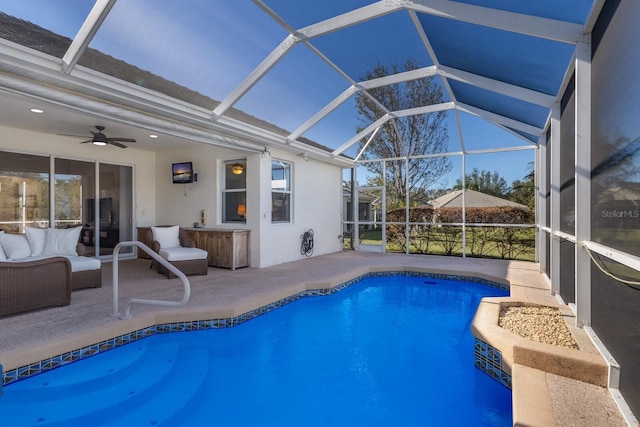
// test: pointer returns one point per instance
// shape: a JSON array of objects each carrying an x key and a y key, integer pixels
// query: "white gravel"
[{"x": 542, "y": 324}]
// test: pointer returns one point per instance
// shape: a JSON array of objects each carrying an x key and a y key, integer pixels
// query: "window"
[
  {"x": 280, "y": 191},
  {"x": 24, "y": 191},
  {"x": 234, "y": 193}
]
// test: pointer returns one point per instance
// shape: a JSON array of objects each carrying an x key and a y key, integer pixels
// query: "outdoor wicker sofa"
[
  {"x": 32, "y": 285},
  {"x": 40, "y": 268}
]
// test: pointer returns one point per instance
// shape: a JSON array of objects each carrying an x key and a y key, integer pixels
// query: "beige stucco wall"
[{"x": 316, "y": 200}]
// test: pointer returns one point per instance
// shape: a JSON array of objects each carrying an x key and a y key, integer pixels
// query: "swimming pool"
[{"x": 386, "y": 351}]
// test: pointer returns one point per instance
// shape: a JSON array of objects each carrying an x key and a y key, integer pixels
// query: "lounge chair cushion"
[
  {"x": 167, "y": 237},
  {"x": 182, "y": 254}
]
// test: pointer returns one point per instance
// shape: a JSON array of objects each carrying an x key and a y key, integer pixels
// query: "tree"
[
  {"x": 485, "y": 182},
  {"x": 524, "y": 191},
  {"x": 404, "y": 137}
]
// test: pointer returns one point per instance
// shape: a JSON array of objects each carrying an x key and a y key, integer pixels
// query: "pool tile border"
[
  {"x": 482, "y": 356},
  {"x": 488, "y": 359}
]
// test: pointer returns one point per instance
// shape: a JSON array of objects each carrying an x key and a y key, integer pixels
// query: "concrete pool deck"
[{"x": 541, "y": 397}]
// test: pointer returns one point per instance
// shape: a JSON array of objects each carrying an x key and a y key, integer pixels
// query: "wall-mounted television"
[{"x": 182, "y": 172}]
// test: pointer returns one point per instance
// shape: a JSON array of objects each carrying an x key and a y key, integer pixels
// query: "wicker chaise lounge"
[{"x": 32, "y": 285}]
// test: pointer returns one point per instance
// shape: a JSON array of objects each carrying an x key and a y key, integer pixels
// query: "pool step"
[
  {"x": 166, "y": 405},
  {"x": 93, "y": 373},
  {"x": 116, "y": 397}
]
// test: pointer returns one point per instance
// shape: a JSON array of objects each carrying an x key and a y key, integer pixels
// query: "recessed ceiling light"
[
  {"x": 36, "y": 110},
  {"x": 153, "y": 136}
]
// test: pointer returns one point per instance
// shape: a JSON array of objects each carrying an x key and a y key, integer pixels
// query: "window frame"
[
  {"x": 240, "y": 193},
  {"x": 285, "y": 190}
]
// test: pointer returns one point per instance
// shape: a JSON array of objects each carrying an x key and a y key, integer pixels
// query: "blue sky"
[{"x": 212, "y": 45}]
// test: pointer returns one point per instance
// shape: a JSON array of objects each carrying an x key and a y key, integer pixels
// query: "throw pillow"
[
  {"x": 15, "y": 245},
  {"x": 167, "y": 237},
  {"x": 3, "y": 256},
  {"x": 36, "y": 238},
  {"x": 62, "y": 241}
]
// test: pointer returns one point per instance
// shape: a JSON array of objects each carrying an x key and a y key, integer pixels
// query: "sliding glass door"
[
  {"x": 114, "y": 214},
  {"x": 104, "y": 211}
]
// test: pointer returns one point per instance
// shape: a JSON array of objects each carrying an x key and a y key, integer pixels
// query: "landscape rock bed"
[{"x": 537, "y": 323}]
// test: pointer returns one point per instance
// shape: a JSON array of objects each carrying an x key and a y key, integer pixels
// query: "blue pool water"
[{"x": 386, "y": 351}]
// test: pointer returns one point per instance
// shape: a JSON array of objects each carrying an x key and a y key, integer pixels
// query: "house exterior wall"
[
  {"x": 316, "y": 200},
  {"x": 143, "y": 162},
  {"x": 316, "y": 191},
  {"x": 316, "y": 204}
]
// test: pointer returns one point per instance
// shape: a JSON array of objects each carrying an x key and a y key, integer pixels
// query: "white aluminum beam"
[
  {"x": 498, "y": 86},
  {"x": 541, "y": 204},
  {"x": 405, "y": 76},
  {"x": 460, "y": 133},
  {"x": 359, "y": 87},
  {"x": 583, "y": 182},
  {"x": 349, "y": 19},
  {"x": 551, "y": 29},
  {"x": 423, "y": 110},
  {"x": 373, "y": 135},
  {"x": 254, "y": 77},
  {"x": 555, "y": 199},
  {"x": 500, "y": 120},
  {"x": 594, "y": 13},
  {"x": 432, "y": 54},
  {"x": 89, "y": 28},
  {"x": 325, "y": 111},
  {"x": 372, "y": 127},
  {"x": 546, "y": 28},
  {"x": 502, "y": 149},
  {"x": 616, "y": 255},
  {"x": 401, "y": 113}
]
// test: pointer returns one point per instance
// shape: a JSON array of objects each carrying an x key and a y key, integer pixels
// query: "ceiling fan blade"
[
  {"x": 117, "y": 144},
  {"x": 88, "y": 140},
  {"x": 121, "y": 140},
  {"x": 68, "y": 134}
]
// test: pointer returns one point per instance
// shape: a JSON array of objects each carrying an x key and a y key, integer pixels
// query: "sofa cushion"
[
  {"x": 36, "y": 238},
  {"x": 3, "y": 256},
  {"x": 15, "y": 245},
  {"x": 83, "y": 263},
  {"x": 182, "y": 254},
  {"x": 167, "y": 237},
  {"x": 62, "y": 241},
  {"x": 78, "y": 263}
]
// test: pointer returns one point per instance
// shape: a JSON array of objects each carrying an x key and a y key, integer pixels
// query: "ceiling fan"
[{"x": 100, "y": 138}]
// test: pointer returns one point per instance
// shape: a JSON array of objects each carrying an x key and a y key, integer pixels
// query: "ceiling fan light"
[{"x": 99, "y": 143}]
